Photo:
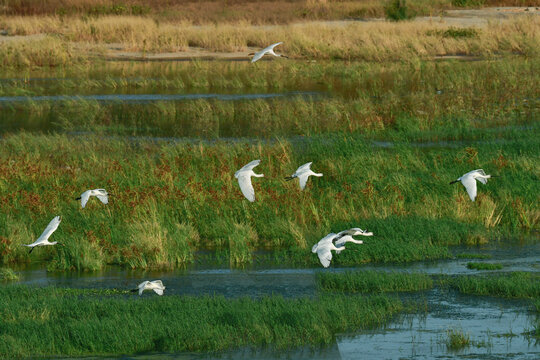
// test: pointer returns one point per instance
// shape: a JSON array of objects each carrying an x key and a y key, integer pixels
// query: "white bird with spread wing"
[
  {"x": 324, "y": 249},
  {"x": 303, "y": 173},
  {"x": 469, "y": 181},
  {"x": 244, "y": 179},
  {"x": 267, "y": 50},
  {"x": 336, "y": 242},
  {"x": 155, "y": 285},
  {"x": 43, "y": 239},
  {"x": 101, "y": 194},
  {"x": 347, "y": 236}
]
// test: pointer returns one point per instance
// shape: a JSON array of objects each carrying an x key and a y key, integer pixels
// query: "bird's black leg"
[{"x": 31, "y": 249}]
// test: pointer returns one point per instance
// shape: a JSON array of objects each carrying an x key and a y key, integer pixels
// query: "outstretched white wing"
[
  {"x": 258, "y": 56},
  {"x": 482, "y": 180},
  {"x": 158, "y": 283},
  {"x": 328, "y": 238},
  {"x": 247, "y": 167},
  {"x": 84, "y": 198},
  {"x": 303, "y": 180},
  {"x": 158, "y": 291},
  {"x": 104, "y": 198},
  {"x": 325, "y": 256},
  {"x": 246, "y": 187},
  {"x": 271, "y": 47},
  {"x": 470, "y": 184},
  {"x": 53, "y": 225},
  {"x": 304, "y": 167},
  {"x": 142, "y": 286}
]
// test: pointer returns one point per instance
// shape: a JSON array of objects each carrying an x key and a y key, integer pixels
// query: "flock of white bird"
[{"x": 324, "y": 248}]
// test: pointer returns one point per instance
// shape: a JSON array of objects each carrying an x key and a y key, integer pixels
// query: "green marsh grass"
[
  {"x": 85, "y": 322},
  {"x": 511, "y": 285},
  {"x": 373, "y": 282},
  {"x": 484, "y": 266},
  {"x": 171, "y": 199},
  {"x": 426, "y": 101}
]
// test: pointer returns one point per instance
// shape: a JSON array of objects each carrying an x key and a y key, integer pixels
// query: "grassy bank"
[
  {"x": 84, "y": 39},
  {"x": 50, "y": 322},
  {"x": 512, "y": 285},
  {"x": 415, "y": 102},
  {"x": 171, "y": 199},
  {"x": 373, "y": 282}
]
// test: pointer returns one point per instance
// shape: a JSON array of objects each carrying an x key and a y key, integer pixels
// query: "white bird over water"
[
  {"x": 155, "y": 285},
  {"x": 244, "y": 179},
  {"x": 267, "y": 50},
  {"x": 43, "y": 239},
  {"x": 101, "y": 194},
  {"x": 324, "y": 249},
  {"x": 303, "y": 173},
  {"x": 469, "y": 181}
]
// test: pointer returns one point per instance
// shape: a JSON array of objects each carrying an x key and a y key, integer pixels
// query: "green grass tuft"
[
  {"x": 512, "y": 285},
  {"x": 483, "y": 266},
  {"x": 6, "y": 274},
  {"x": 456, "y": 339}
]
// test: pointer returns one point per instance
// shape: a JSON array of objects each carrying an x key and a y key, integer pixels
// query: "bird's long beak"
[
  {"x": 453, "y": 182},
  {"x": 285, "y": 56},
  {"x": 288, "y": 178},
  {"x": 251, "y": 54},
  {"x": 79, "y": 198}
]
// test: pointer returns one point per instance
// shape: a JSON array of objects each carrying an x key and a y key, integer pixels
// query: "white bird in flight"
[
  {"x": 267, "y": 50},
  {"x": 324, "y": 249},
  {"x": 101, "y": 194},
  {"x": 244, "y": 179},
  {"x": 347, "y": 236},
  {"x": 303, "y": 173},
  {"x": 469, "y": 181},
  {"x": 43, "y": 238},
  {"x": 155, "y": 285}
]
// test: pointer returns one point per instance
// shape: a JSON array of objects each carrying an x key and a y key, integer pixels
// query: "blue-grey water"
[
  {"x": 142, "y": 98},
  {"x": 498, "y": 328}
]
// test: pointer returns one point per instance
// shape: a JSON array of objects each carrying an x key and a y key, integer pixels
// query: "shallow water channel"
[{"x": 497, "y": 327}]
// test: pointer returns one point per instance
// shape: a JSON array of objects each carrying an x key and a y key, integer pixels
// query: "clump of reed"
[
  {"x": 112, "y": 323},
  {"x": 456, "y": 339},
  {"x": 40, "y": 51},
  {"x": 512, "y": 285},
  {"x": 484, "y": 266},
  {"x": 373, "y": 282},
  {"x": 7, "y": 274}
]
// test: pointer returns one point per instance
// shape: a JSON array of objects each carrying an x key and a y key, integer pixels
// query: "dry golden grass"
[{"x": 374, "y": 41}]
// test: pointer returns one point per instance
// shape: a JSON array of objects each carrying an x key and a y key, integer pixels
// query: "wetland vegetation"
[
  {"x": 366, "y": 102},
  {"x": 85, "y": 322},
  {"x": 511, "y": 285}
]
